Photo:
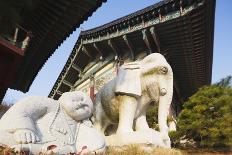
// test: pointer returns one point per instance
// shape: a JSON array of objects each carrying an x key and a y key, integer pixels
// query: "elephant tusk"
[{"x": 163, "y": 91}]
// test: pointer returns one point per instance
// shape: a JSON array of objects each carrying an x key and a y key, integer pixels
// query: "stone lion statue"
[
  {"x": 41, "y": 124},
  {"x": 123, "y": 102}
]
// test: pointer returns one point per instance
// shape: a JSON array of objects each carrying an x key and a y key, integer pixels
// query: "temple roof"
[
  {"x": 51, "y": 22},
  {"x": 182, "y": 31}
]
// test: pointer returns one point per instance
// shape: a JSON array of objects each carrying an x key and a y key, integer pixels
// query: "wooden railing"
[{"x": 14, "y": 40}]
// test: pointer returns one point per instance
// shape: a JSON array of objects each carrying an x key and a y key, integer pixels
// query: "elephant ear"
[
  {"x": 153, "y": 63},
  {"x": 128, "y": 80}
]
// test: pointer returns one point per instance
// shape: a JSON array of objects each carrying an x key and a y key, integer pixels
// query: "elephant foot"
[
  {"x": 124, "y": 131},
  {"x": 141, "y": 129},
  {"x": 148, "y": 137}
]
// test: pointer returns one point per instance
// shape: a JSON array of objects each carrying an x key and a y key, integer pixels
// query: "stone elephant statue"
[{"x": 124, "y": 100}]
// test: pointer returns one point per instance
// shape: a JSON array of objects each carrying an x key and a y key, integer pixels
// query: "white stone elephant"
[
  {"x": 40, "y": 124},
  {"x": 124, "y": 100}
]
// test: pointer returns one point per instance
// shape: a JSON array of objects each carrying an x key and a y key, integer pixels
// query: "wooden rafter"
[
  {"x": 77, "y": 68},
  {"x": 98, "y": 50},
  {"x": 86, "y": 51},
  {"x": 146, "y": 40},
  {"x": 67, "y": 83},
  {"x": 155, "y": 38},
  {"x": 128, "y": 43},
  {"x": 180, "y": 43},
  {"x": 113, "y": 47},
  {"x": 58, "y": 92}
]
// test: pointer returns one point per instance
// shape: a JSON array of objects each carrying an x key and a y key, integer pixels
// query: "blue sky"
[{"x": 113, "y": 9}]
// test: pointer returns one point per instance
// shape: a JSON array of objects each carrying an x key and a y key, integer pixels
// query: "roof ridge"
[{"x": 126, "y": 17}]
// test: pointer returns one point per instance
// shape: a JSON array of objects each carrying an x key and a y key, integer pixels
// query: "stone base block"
[{"x": 148, "y": 137}]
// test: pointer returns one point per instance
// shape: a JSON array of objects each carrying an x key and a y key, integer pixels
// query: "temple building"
[
  {"x": 181, "y": 30},
  {"x": 24, "y": 51}
]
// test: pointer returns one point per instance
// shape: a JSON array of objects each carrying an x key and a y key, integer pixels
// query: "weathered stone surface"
[
  {"x": 146, "y": 137},
  {"x": 125, "y": 99},
  {"x": 40, "y": 124}
]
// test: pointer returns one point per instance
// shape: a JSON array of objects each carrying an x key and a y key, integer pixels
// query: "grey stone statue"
[
  {"x": 124, "y": 101},
  {"x": 41, "y": 124}
]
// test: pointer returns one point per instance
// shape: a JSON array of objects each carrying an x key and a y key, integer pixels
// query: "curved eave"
[
  {"x": 156, "y": 7},
  {"x": 51, "y": 23},
  {"x": 186, "y": 42}
]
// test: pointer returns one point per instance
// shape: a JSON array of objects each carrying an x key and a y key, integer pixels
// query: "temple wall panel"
[
  {"x": 104, "y": 75},
  {"x": 84, "y": 87}
]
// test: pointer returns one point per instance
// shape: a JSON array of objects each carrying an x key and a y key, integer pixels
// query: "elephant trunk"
[
  {"x": 165, "y": 99},
  {"x": 157, "y": 78}
]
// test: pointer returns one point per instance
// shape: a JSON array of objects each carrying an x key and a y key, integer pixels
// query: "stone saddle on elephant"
[{"x": 124, "y": 101}]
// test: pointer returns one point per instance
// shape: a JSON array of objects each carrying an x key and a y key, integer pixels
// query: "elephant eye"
[{"x": 163, "y": 70}]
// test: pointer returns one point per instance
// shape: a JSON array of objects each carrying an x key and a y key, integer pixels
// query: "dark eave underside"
[
  {"x": 186, "y": 42},
  {"x": 50, "y": 23}
]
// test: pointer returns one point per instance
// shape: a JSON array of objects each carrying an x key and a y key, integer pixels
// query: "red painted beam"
[
  {"x": 10, "y": 59},
  {"x": 6, "y": 46}
]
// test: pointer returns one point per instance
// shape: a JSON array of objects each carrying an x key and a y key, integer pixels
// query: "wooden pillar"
[
  {"x": 160, "y": 16},
  {"x": 181, "y": 8},
  {"x": 16, "y": 35},
  {"x": 118, "y": 64},
  {"x": 117, "y": 67}
]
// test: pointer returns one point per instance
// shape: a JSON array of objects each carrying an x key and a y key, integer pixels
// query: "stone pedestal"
[{"x": 147, "y": 137}]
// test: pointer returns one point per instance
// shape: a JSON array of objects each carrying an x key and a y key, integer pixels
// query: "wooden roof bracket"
[
  {"x": 58, "y": 92},
  {"x": 67, "y": 83},
  {"x": 98, "y": 50},
  {"x": 155, "y": 38},
  {"x": 77, "y": 68},
  {"x": 114, "y": 48},
  {"x": 181, "y": 7},
  {"x": 129, "y": 46},
  {"x": 146, "y": 40},
  {"x": 86, "y": 52}
]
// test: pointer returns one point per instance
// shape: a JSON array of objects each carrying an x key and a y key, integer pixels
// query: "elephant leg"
[
  {"x": 141, "y": 122},
  {"x": 127, "y": 109},
  {"x": 100, "y": 119},
  {"x": 111, "y": 129},
  {"x": 101, "y": 124}
]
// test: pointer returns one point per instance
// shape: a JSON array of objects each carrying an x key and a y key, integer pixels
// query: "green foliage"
[
  {"x": 207, "y": 117},
  {"x": 152, "y": 117},
  {"x": 225, "y": 82},
  {"x": 175, "y": 138}
]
